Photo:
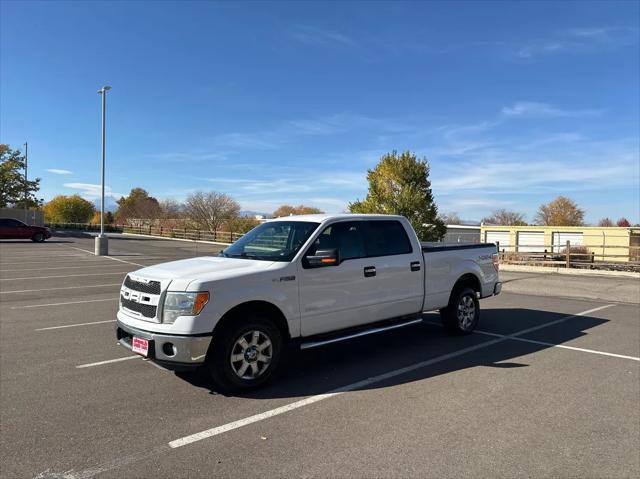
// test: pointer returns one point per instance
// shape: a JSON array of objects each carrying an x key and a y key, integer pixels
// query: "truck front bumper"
[
  {"x": 497, "y": 288},
  {"x": 172, "y": 351}
]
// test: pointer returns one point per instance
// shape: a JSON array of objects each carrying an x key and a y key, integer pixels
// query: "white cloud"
[
  {"x": 527, "y": 167},
  {"x": 284, "y": 182},
  {"x": 91, "y": 191},
  {"x": 57, "y": 171},
  {"x": 532, "y": 109},
  {"x": 290, "y": 131},
  {"x": 319, "y": 36},
  {"x": 581, "y": 40}
]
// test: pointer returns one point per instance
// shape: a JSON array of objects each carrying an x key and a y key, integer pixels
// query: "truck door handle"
[
  {"x": 415, "y": 266},
  {"x": 369, "y": 271}
]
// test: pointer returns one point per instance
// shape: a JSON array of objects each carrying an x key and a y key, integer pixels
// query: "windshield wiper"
[{"x": 240, "y": 255}]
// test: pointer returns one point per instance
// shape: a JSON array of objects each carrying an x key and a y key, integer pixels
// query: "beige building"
[{"x": 610, "y": 244}]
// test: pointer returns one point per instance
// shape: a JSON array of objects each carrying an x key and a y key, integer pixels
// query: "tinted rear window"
[
  {"x": 387, "y": 238},
  {"x": 10, "y": 222}
]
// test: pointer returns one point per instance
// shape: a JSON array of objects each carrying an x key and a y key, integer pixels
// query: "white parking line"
[
  {"x": 75, "y": 325},
  {"x": 57, "y": 289},
  {"x": 183, "y": 441},
  {"x": 126, "y": 358},
  {"x": 100, "y": 265},
  {"x": 65, "y": 276},
  {"x": 63, "y": 304},
  {"x": 551, "y": 323},
  {"x": 515, "y": 336},
  {"x": 544, "y": 343},
  {"x": 110, "y": 257},
  {"x": 77, "y": 261},
  {"x": 48, "y": 255}
]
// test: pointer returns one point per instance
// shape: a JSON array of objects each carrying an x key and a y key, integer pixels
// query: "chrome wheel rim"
[
  {"x": 466, "y": 312},
  {"x": 251, "y": 354}
]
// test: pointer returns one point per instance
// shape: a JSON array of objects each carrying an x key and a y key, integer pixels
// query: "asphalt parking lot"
[{"x": 549, "y": 386}]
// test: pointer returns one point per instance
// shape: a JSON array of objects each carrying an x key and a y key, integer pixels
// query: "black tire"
[
  {"x": 219, "y": 362},
  {"x": 38, "y": 238},
  {"x": 463, "y": 312}
]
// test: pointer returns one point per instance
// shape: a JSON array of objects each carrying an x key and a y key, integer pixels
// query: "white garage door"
[
  {"x": 501, "y": 237},
  {"x": 531, "y": 241},
  {"x": 560, "y": 240}
]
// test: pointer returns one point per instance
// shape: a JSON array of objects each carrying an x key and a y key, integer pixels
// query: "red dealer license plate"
[{"x": 140, "y": 346}]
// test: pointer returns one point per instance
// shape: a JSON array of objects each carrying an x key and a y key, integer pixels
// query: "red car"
[{"x": 14, "y": 229}]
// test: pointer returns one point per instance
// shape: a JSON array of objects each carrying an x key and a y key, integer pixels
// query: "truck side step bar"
[{"x": 366, "y": 332}]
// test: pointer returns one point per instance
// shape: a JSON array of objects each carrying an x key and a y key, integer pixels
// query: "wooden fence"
[
  {"x": 610, "y": 257},
  {"x": 184, "y": 233}
]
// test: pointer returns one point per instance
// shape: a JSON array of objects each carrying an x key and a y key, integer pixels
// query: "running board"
[{"x": 366, "y": 332}]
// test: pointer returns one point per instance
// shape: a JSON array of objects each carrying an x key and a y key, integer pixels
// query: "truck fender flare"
[
  {"x": 257, "y": 306},
  {"x": 468, "y": 279}
]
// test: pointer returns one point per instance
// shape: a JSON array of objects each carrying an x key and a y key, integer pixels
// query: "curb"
[{"x": 576, "y": 272}]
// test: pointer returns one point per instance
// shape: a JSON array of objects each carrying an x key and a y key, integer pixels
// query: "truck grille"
[
  {"x": 152, "y": 287},
  {"x": 146, "y": 310}
]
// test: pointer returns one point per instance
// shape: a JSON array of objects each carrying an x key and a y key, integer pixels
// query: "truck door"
[
  {"x": 337, "y": 296},
  {"x": 399, "y": 274}
]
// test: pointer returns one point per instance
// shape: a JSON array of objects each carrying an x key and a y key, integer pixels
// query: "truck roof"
[{"x": 320, "y": 218}]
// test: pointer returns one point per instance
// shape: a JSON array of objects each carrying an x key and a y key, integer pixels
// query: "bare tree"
[
  {"x": 171, "y": 209},
  {"x": 505, "y": 217},
  {"x": 211, "y": 210},
  {"x": 450, "y": 218},
  {"x": 560, "y": 212},
  {"x": 605, "y": 222},
  {"x": 288, "y": 210}
]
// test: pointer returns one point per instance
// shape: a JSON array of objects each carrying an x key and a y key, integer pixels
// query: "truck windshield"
[{"x": 272, "y": 241}]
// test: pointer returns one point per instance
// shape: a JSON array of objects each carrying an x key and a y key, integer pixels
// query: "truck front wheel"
[
  {"x": 462, "y": 314},
  {"x": 245, "y": 353}
]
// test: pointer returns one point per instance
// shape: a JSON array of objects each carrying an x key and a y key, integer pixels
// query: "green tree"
[
  {"x": 14, "y": 190},
  {"x": 108, "y": 218},
  {"x": 137, "y": 205},
  {"x": 68, "y": 209},
  {"x": 288, "y": 210},
  {"x": 241, "y": 225},
  {"x": 400, "y": 185},
  {"x": 560, "y": 212}
]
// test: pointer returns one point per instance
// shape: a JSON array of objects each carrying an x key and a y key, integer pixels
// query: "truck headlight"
[{"x": 183, "y": 304}]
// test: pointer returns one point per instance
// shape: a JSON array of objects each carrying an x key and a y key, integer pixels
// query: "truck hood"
[{"x": 205, "y": 268}]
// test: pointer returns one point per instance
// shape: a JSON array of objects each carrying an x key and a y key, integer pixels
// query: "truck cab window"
[
  {"x": 274, "y": 241},
  {"x": 347, "y": 237},
  {"x": 387, "y": 238}
]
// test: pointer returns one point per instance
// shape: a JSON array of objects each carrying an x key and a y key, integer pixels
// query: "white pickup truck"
[{"x": 308, "y": 280}]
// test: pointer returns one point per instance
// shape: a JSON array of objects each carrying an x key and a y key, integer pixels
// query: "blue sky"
[{"x": 512, "y": 103}]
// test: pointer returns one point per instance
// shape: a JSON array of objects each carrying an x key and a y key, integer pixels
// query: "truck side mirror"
[{"x": 323, "y": 257}]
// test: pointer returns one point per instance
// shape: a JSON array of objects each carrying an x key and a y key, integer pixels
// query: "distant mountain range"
[
  {"x": 253, "y": 214},
  {"x": 109, "y": 204}
]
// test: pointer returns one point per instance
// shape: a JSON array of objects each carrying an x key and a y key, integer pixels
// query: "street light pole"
[
  {"x": 26, "y": 185},
  {"x": 101, "y": 241}
]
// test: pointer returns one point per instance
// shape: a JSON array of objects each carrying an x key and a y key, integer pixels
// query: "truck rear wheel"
[
  {"x": 245, "y": 353},
  {"x": 463, "y": 312}
]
